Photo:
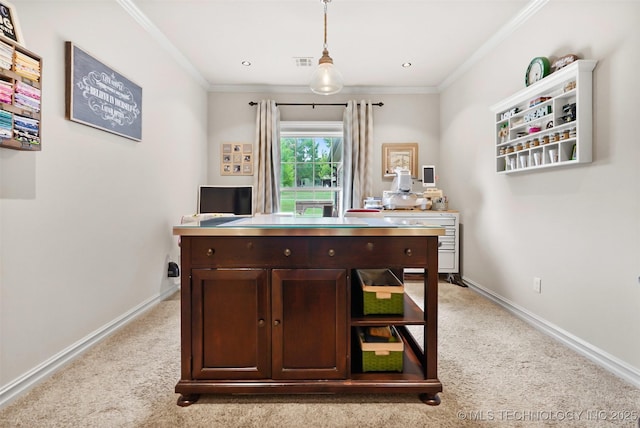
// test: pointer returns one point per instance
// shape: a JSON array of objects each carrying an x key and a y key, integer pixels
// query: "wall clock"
[{"x": 539, "y": 67}]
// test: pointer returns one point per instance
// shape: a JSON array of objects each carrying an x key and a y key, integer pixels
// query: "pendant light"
[{"x": 326, "y": 80}]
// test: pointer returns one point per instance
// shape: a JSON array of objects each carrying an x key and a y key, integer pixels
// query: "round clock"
[{"x": 539, "y": 67}]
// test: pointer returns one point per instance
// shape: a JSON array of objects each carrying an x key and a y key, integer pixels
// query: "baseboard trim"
[
  {"x": 605, "y": 360},
  {"x": 34, "y": 376}
]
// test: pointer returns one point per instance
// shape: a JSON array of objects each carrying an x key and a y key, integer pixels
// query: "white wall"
[
  {"x": 85, "y": 224},
  {"x": 577, "y": 228},
  {"x": 402, "y": 119}
]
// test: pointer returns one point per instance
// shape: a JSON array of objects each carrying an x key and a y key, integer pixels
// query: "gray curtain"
[
  {"x": 358, "y": 153},
  {"x": 266, "y": 179}
]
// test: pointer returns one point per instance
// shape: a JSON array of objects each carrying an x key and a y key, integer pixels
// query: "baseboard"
[
  {"x": 605, "y": 360},
  {"x": 28, "y": 380}
]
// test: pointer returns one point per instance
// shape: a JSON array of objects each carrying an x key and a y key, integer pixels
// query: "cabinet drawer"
[
  {"x": 447, "y": 243},
  {"x": 247, "y": 251},
  {"x": 447, "y": 246},
  {"x": 366, "y": 251},
  {"x": 429, "y": 221},
  {"x": 447, "y": 261}
]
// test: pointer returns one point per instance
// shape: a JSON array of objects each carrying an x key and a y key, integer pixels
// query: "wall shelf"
[
  {"x": 548, "y": 124},
  {"x": 20, "y": 97}
]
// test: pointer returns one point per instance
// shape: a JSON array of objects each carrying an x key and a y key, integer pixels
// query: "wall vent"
[{"x": 304, "y": 61}]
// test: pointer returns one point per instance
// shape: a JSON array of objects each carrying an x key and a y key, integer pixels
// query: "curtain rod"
[{"x": 313, "y": 105}]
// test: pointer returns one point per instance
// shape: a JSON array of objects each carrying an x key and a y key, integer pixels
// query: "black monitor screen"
[{"x": 225, "y": 199}]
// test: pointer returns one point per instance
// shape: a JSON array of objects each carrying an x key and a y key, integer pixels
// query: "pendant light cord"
[{"x": 325, "y": 23}]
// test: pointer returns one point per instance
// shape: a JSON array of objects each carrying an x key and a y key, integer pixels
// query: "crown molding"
[
  {"x": 162, "y": 40},
  {"x": 501, "y": 35},
  {"x": 372, "y": 90}
]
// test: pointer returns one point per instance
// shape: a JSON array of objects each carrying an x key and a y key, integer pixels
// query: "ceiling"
[{"x": 369, "y": 40}]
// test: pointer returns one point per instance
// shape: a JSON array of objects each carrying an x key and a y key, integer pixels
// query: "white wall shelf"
[{"x": 548, "y": 124}]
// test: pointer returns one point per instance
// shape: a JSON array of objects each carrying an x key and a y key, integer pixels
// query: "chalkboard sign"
[
  {"x": 9, "y": 26},
  {"x": 100, "y": 97}
]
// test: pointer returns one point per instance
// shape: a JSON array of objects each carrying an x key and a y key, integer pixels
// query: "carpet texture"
[{"x": 496, "y": 371}]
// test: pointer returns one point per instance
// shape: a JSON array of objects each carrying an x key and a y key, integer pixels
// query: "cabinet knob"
[
  {"x": 276, "y": 322},
  {"x": 261, "y": 323},
  {"x": 210, "y": 252},
  {"x": 249, "y": 245},
  {"x": 331, "y": 252},
  {"x": 370, "y": 246},
  {"x": 408, "y": 252},
  {"x": 287, "y": 252}
]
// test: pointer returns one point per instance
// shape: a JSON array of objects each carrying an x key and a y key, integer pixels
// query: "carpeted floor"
[{"x": 496, "y": 371}]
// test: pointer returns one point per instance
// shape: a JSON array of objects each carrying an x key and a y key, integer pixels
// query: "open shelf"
[
  {"x": 547, "y": 124},
  {"x": 413, "y": 315},
  {"x": 412, "y": 369},
  {"x": 25, "y": 123}
]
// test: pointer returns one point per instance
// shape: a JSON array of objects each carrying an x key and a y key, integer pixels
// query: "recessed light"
[
  {"x": 406, "y": 64},
  {"x": 246, "y": 63}
]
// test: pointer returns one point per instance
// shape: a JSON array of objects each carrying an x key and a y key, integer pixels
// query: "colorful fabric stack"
[
  {"x": 27, "y": 97},
  {"x": 26, "y": 66},
  {"x": 6, "y": 124},
  {"x": 6, "y": 55},
  {"x": 26, "y": 129},
  {"x": 6, "y": 92}
]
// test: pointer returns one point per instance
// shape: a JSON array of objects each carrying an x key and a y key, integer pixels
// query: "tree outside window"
[{"x": 311, "y": 163}]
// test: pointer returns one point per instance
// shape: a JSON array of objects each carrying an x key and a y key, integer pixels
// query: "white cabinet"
[
  {"x": 548, "y": 124},
  {"x": 449, "y": 243}
]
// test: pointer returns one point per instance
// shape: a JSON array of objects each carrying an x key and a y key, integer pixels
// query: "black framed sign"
[
  {"x": 9, "y": 25},
  {"x": 98, "y": 96}
]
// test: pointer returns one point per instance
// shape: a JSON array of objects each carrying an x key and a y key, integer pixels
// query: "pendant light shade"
[{"x": 326, "y": 80}]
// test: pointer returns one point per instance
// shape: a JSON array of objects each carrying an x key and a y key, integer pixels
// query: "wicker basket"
[
  {"x": 383, "y": 292},
  {"x": 382, "y": 356}
]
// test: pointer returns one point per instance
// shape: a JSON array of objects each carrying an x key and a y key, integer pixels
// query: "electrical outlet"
[{"x": 537, "y": 283}]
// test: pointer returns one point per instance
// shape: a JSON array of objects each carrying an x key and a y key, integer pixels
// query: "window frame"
[{"x": 315, "y": 129}]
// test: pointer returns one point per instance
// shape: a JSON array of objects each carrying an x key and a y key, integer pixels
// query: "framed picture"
[
  {"x": 403, "y": 155},
  {"x": 98, "y": 96},
  {"x": 236, "y": 159},
  {"x": 9, "y": 25}
]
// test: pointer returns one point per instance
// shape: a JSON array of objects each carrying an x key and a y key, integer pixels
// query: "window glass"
[{"x": 311, "y": 167}]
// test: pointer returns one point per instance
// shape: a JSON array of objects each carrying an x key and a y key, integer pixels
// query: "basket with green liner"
[
  {"x": 382, "y": 349},
  {"x": 383, "y": 292}
]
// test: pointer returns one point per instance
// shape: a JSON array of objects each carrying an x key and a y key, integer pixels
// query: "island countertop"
[{"x": 287, "y": 225}]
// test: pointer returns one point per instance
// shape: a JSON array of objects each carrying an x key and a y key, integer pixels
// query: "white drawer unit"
[{"x": 449, "y": 249}]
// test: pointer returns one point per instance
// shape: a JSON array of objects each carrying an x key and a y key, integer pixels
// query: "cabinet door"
[
  {"x": 309, "y": 324},
  {"x": 231, "y": 332}
]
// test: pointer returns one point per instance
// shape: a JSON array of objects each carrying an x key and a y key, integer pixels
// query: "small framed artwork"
[
  {"x": 236, "y": 159},
  {"x": 399, "y": 155},
  {"x": 9, "y": 25}
]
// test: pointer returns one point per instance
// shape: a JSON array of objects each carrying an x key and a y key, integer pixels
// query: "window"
[{"x": 311, "y": 167}]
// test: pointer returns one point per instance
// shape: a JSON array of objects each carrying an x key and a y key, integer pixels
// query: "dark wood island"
[{"x": 270, "y": 304}]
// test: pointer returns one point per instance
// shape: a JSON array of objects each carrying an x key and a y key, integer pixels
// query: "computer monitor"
[
  {"x": 428, "y": 176},
  {"x": 235, "y": 200}
]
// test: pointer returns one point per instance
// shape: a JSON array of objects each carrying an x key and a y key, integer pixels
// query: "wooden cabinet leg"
[
  {"x": 430, "y": 399},
  {"x": 187, "y": 400}
]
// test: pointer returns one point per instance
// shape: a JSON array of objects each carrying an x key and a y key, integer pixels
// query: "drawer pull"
[
  {"x": 408, "y": 252},
  {"x": 276, "y": 322},
  {"x": 331, "y": 252},
  {"x": 287, "y": 252},
  {"x": 370, "y": 246},
  {"x": 261, "y": 323},
  {"x": 210, "y": 252}
]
